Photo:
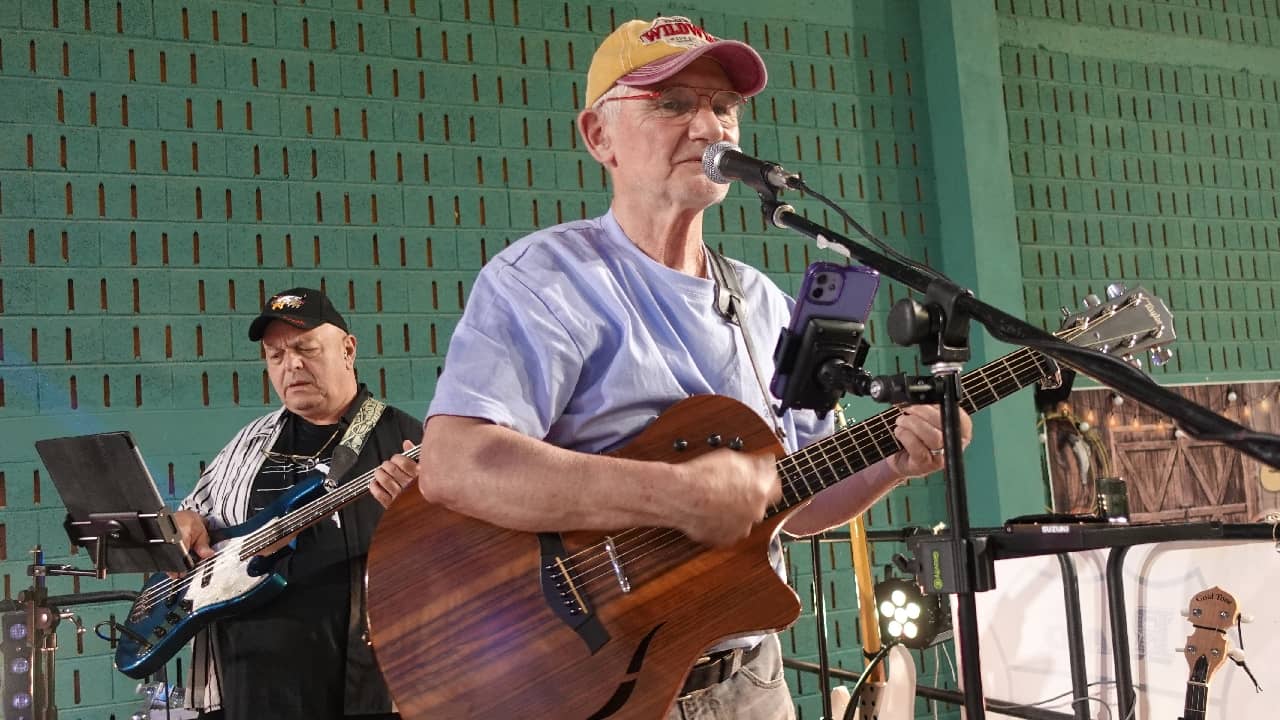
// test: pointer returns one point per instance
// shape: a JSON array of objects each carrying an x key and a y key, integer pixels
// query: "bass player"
[{"x": 304, "y": 655}]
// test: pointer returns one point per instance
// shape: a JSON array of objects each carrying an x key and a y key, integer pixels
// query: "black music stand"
[
  {"x": 115, "y": 512},
  {"x": 113, "y": 507}
]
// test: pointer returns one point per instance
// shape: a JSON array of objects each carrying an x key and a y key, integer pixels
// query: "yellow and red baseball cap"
[{"x": 645, "y": 52}]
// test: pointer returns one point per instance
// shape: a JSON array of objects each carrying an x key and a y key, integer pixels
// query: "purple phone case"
[{"x": 841, "y": 292}]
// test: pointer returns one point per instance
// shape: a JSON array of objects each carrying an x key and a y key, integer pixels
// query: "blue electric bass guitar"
[{"x": 239, "y": 577}]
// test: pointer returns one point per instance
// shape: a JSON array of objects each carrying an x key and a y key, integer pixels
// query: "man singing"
[{"x": 578, "y": 335}]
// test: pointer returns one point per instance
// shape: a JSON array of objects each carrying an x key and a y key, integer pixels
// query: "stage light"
[
  {"x": 15, "y": 683},
  {"x": 907, "y": 615}
]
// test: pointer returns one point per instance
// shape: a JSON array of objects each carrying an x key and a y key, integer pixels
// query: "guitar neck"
[
  {"x": 861, "y": 558},
  {"x": 314, "y": 511},
  {"x": 1197, "y": 691},
  {"x": 813, "y": 469}
]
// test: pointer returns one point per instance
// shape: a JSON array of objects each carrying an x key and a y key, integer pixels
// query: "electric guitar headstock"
[{"x": 1211, "y": 613}]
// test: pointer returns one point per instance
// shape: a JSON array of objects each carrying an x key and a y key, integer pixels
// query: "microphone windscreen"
[{"x": 711, "y": 161}]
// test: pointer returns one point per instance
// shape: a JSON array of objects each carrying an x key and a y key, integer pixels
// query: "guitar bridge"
[{"x": 563, "y": 595}]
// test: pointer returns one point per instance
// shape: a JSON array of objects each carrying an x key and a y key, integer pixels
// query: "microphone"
[{"x": 723, "y": 162}]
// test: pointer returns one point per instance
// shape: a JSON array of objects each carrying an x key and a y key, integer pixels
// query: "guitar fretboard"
[
  {"x": 308, "y": 514},
  {"x": 1197, "y": 691},
  {"x": 813, "y": 469}
]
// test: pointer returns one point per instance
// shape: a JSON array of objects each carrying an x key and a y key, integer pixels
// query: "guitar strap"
[
  {"x": 730, "y": 303},
  {"x": 348, "y": 449}
]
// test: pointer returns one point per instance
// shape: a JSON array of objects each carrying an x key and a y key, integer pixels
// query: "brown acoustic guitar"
[{"x": 469, "y": 620}]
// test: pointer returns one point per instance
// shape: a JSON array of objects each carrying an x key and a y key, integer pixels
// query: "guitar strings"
[
  {"x": 877, "y": 429},
  {"x": 1016, "y": 363},
  {"x": 264, "y": 537},
  {"x": 642, "y": 542}
]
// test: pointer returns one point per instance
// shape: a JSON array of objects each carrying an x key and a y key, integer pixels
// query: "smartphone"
[{"x": 831, "y": 291}]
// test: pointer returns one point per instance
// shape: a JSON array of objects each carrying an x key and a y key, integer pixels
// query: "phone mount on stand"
[
  {"x": 821, "y": 363},
  {"x": 115, "y": 512}
]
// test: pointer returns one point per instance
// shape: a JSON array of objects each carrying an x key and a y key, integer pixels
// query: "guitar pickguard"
[{"x": 226, "y": 578}]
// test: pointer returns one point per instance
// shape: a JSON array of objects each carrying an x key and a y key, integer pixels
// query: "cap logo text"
[{"x": 676, "y": 31}]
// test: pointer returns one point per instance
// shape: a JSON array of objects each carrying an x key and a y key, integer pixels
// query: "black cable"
[
  {"x": 876, "y": 659},
  {"x": 798, "y": 183}
]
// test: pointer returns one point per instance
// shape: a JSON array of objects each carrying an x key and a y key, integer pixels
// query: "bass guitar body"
[
  {"x": 169, "y": 612},
  {"x": 473, "y": 621}
]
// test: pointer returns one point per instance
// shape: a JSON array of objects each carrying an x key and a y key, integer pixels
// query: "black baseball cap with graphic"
[{"x": 300, "y": 307}]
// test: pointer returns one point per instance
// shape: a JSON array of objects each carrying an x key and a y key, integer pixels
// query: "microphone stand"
[{"x": 941, "y": 329}]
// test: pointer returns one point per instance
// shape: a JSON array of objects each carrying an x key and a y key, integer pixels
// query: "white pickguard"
[{"x": 225, "y": 579}]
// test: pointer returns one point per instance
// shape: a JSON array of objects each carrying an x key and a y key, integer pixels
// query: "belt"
[{"x": 716, "y": 668}]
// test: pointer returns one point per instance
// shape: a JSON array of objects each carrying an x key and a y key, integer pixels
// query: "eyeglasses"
[
  {"x": 307, "y": 462},
  {"x": 683, "y": 102}
]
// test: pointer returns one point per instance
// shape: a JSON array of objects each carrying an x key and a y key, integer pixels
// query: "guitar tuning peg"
[
  {"x": 1134, "y": 360},
  {"x": 1115, "y": 290},
  {"x": 1246, "y": 618},
  {"x": 1160, "y": 355},
  {"x": 1184, "y": 613},
  {"x": 1236, "y": 654},
  {"x": 1066, "y": 312},
  {"x": 1091, "y": 301}
]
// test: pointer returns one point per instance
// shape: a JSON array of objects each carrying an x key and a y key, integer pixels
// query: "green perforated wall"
[
  {"x": 168, "y": 164},
  {"x": 1144, "y": 139}
]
